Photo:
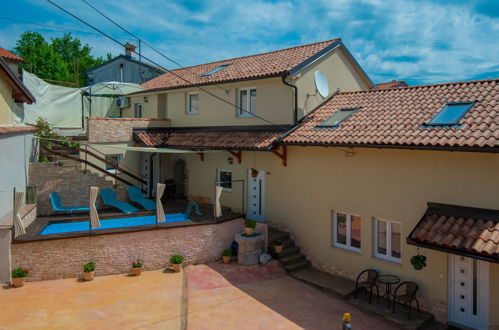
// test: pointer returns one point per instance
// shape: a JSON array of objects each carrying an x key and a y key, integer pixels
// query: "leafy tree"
[{"x": 56, "y": 60}]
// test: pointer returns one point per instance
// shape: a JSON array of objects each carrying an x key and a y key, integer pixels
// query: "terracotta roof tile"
[
  {"x": 253, "y": 140},
  {"x": 392, "y": 84},
  {"x": 8, "y": 130},
  {"x": 470, "y": 233},
  {"x": 246, "y": 67},
  {"x": 397, "y": 117},
  {"x": 8, "y": 55}
]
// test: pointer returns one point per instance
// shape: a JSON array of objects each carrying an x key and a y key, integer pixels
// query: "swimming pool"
[{"x": 69, "y": 227}]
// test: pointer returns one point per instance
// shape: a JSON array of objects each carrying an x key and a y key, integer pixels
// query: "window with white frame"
[
  {"x": 346, "y": 231},
  {"x": 387, "y": 239},
  {"x": 246, "y": 102},
  {"x": 224, "y": 179},
  {"x": 137, "y": 110},
  {"x": 192, "y": 103},
  {"x": 115, "y": 160}
]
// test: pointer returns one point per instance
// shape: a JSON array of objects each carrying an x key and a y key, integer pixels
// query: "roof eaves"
[
  {"x": 317, "y": 56},
  {"x": 17, "y": 82}
]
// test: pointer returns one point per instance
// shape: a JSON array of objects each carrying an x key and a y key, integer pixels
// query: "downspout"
[
  {"x": 151, "y": 174},
  {"x": 295, "y": 115}
]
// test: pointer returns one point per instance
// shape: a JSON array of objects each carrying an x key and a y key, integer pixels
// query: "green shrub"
[
  {"x": 89, "y": 267},
  {"x": 138, "y": 263},
  {"x": 250, "y": 223},
  {"x": 20, "y": 272},
  {"x": 227, "y": 253},
  {"x": 177, "y": 259},
  {"x": 47, "y": 136}
]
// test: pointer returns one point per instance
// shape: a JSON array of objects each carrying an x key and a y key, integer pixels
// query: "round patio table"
[{"x": 388, "y": 281}]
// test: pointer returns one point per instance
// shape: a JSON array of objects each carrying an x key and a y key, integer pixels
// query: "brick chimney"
[{"x": 130, "y": 49}]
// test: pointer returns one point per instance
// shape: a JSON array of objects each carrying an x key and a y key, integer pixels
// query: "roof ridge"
[
  {"x": 257, "y": 54},
  {"x": 421, "y": 86}
]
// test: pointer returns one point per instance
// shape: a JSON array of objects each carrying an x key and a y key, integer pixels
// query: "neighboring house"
[
  {"x": 124, "y": 68},
  {"x": 392, "y": 84}
]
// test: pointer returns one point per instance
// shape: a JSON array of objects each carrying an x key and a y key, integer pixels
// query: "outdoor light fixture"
[
  {"x": 146, "y": 99},
  {"x": 230, "y": 160}
]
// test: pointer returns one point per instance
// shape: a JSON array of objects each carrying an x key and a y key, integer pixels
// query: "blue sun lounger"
[
  {"x": 136, "y": 196},
  {"x": 57, "y": 205},
  {"x": 109, "y": 198}
]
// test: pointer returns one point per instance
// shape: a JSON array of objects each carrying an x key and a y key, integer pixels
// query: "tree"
[{"x": 58, "y": 59}]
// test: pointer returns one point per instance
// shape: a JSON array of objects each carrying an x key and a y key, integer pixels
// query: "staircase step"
[
  {"x": 298, "y": 265},
  {"x": 288, "y": 243},
  {"x": 291, "y": 258},
  {"x": 288, "y": 251},
  {"x": 332, "y": 284},
  {"x": 275, "y": 234}
]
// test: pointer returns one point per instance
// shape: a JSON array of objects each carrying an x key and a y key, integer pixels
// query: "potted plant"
[
  {"x": 418, "y": 262},
  {"x": 278, "y": 246},
  {"x": 254, "y": 172},
  {"x": 89, "y": 271},
  {"x": 226, "y": 255},
  {"x": 137, "y": 267},
  {"x": 176, "y": 260},
  {"x": 18, "y": 276},
  {"x": 249, "y": 227}
]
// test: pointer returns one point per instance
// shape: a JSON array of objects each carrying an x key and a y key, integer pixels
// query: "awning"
[
  {"x": 157, "y": 150},
  {"x": 468, "y": 231}
]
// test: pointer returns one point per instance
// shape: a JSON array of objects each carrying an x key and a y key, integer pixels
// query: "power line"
[{"x": 184, "y": 79}]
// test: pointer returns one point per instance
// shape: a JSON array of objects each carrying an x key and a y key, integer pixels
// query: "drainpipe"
[
  {"x": 151, "y": 173},
  {"x": 295, "y": 116}
]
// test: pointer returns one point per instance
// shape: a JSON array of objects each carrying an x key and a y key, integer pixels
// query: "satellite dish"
[{"x": 321, "y": 83}]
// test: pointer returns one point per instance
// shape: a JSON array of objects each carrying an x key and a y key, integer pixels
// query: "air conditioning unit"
[{"x": 123, "y": 102}]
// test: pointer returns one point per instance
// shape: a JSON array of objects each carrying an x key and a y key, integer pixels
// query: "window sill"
[
  {"x": 245, "y": 116},
  {"x": 341, "y": 248},
  {"x": 192, "y": 113},
  {"x": 391, "y": 261}
]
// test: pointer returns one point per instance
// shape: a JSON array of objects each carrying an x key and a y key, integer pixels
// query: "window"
[
  {"x": 114, "y": 159},
  {"x": 192, "y": 103},
  {"x": 246, "y": 102},
  {"x": 218, "y": 68},
  {"x": 387, "y": 239},
  {"x": 451, "y": 113},
  {"x": 137, "y": 110},
  {"x": 335, "y": 120},
  {"x": 346, "y": 231},
  {"x": 224, "y": 179}
]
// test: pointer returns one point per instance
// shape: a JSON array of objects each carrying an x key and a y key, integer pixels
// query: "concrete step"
[
  {"x": 291, "y": 258},
  {"x": 332, "y": 284},
  {"x": 288, "y": 243},
  {"x": 275, "y": 234},
  {"x": 297, "y": 265},
  {"x": 288, "y": 251}
]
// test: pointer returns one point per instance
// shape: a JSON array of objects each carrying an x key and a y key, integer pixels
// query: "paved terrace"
[{"x": 212, "y": 296}]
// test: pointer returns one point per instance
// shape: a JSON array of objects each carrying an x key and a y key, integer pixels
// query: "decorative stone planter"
[
  {"x": 137, "y": 271},
  {"x": 88, "y": 276},
  {"x": 176, "y": 267},
  {"x": 250, "y": 248},
  {"x": 18, "y": 282},
  {"x": 278, "y": 248}
]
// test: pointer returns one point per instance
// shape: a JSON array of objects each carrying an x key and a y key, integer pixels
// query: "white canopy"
[{"x": 112, "y": 88}]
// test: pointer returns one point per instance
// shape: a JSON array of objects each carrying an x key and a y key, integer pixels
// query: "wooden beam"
[
  {"x": 238, "y": 154},
  {"x": 283, "y": 155}
]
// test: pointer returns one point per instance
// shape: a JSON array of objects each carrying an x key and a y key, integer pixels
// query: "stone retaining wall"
[
  {"x": 114, "y": 253},
  {"x": 104, "y": 130}
]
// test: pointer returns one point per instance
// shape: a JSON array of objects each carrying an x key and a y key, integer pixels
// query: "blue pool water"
[{"x": 69, "y": 227}]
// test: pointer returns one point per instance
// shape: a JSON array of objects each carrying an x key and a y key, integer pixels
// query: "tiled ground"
[{"x": 213, "y": 296}]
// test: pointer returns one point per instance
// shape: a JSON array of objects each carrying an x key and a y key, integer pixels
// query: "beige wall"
[
  {"x": 389, "y": 184},
  {"x": 340, "y": 73},
  {"x": 6, "y": 102}
]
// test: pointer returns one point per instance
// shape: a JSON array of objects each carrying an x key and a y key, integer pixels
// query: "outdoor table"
[{"x": 388, "y": 281}]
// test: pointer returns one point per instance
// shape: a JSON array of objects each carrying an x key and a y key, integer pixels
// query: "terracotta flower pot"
[
  {"x": 278, "y": 248},
  {"x": 176, "y": 267},
  {"x": 18, "y": 282},
  {"x": 226, "y": 259},
  {"x": 249, "y": 231},
  {"x": 137, "y": 271},
  {"x": 88, "y": 276}
]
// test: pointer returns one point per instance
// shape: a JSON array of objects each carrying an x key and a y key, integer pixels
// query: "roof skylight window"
[
  {"x": 335, "y": 120},
  {"x": 451, "y": 113},
  {"x": 218, "y": 68}
]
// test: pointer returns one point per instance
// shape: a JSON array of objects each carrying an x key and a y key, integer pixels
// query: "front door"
[
  {"x": 256, "y": 195},
  {"x": 468, "y": 292}
]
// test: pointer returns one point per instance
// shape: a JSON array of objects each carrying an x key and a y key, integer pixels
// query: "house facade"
[{"x": 362, "y": 177}]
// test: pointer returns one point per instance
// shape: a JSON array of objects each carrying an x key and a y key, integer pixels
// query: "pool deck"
[{"x": 177, "y": 206}]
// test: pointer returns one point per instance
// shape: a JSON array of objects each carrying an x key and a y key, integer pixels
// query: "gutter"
[{"x": 295, "y": 114}]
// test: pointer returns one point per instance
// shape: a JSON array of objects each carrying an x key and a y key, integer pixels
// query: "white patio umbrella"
[
  {"x": 160, "y": 213},
  {"x": 218, "y": 207},
  {"x": 18, "y": 222},
  {"x": 94, "y": 216}
]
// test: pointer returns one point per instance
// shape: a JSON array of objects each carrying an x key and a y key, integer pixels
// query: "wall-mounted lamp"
[
  {"x": 146, "y": 99},
  {"x": 230, "y": 160}
]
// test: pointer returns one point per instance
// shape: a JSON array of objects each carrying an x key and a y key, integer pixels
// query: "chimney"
[{"x": 130, "y": 49}]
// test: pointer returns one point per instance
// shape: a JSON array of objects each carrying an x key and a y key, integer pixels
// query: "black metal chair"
[
  {"x": 407, "y": 297},
  {"x": 369, "y": 283}
]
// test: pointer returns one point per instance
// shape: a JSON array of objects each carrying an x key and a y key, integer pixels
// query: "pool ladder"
[{"x": 189, "y": 208}]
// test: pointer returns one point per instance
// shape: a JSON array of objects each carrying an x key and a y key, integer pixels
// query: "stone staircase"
[{"x": 291, "y": 257}]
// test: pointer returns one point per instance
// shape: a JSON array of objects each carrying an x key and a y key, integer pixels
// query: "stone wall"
[
  {"x": 104, "y": 130},
  {"x": 71, "y": 182},
  {"x": 114, "y": 253}
]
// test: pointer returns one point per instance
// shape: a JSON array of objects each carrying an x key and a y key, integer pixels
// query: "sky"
[{"x": 418, "y": 41}]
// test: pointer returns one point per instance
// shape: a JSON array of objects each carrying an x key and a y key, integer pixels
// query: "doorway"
[
  {"x": 468, "y": 292},
  {"x": 256, "y": 195},
  {"x": 179, "y": 178}
]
